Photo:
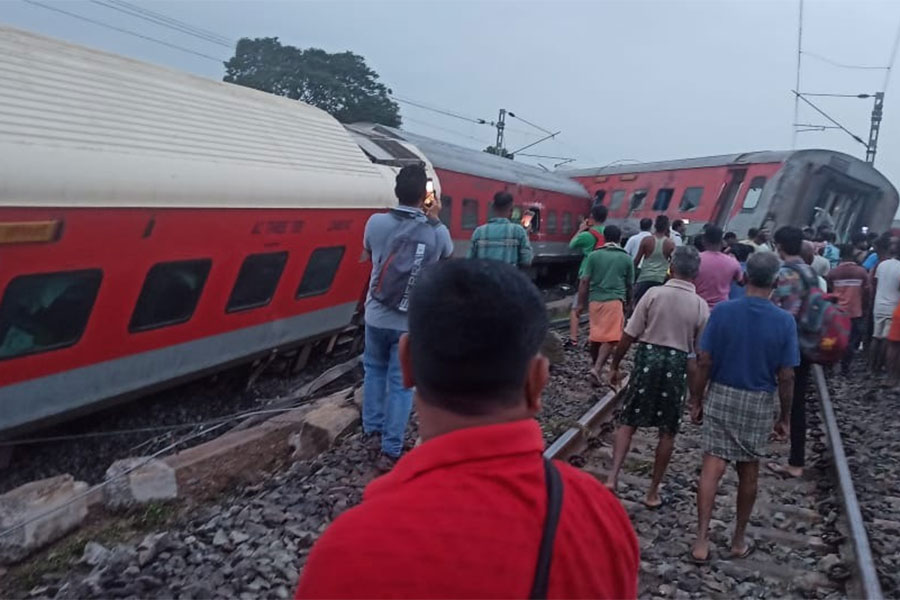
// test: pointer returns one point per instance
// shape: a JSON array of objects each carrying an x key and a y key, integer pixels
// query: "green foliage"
[
  {"x": 499, "y": 152},
  {"x": 340, "y": 83}
]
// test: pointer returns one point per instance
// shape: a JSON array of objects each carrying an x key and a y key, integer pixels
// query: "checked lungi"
[{"x": 737, "y": 423}]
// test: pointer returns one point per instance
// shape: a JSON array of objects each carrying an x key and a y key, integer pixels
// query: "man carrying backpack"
[
  {"x": 792, "y": 293},
  {"x": 401, "y": 242},
  {"x": 588, "y": 238}
]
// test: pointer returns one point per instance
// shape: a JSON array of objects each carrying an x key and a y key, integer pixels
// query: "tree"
[
  {"x": 499, "y": 152},
  {"x": 340, "y": 83}
]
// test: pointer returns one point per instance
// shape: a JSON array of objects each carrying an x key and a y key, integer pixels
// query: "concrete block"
[
  {"x": 324, "y": 424},
  {"x": 552, "y": 348},
  {"x": 152, "y": 480},
  {"x": 29, "y": 506}
]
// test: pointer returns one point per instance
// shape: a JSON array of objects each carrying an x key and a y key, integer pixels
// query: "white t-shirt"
[
  {"x": 676, "y": 237},
  {"x": 887, "y": 294},
  {"x": 634, "y": 242}
]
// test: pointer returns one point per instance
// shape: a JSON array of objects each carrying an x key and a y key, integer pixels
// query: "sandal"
[
  {"x": 750, "y": 549},
  {"x": 782, "y": 471},
  {"x": 699, "y": 561}
]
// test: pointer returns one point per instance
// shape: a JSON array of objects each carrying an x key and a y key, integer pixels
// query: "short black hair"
[
  {"x": 729, "y": 236},
  {"x": 859, "y": 237},
  {"x": 677, "y": 224},
  {"x": 474, "y": 326},
  {"x": 410, "y": 185},
  {"x": 789, "y": 239},
  {"x": 661, "y": 224},
  {"x": 752, "y": 233},
  {"x": 848, "y": 251},
  {"x": 599, "y": 212},
  {"x": 809, "y": 233},
  {"x": 646, "y": 224},
  {"x": 611, "y": 233},
  {"x": 502, "y": 200},
  {"x": 712, "y": 236},
  {"x": 829, "y": 236}
]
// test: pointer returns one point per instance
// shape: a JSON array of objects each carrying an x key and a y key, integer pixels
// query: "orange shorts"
[
  {"x": 607, "y": 321},
  {"x": 894, "y": 332}
]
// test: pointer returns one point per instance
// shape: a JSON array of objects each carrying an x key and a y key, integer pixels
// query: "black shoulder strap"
[{"x": 545, "y": 556}]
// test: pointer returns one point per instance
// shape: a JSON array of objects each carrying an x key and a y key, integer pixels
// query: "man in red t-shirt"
[
  {"x": 849, "y": 282},
  {"x": 464, "y": 514}
]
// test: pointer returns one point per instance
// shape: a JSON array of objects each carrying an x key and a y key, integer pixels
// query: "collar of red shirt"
[{"x": 463, "y": 445}]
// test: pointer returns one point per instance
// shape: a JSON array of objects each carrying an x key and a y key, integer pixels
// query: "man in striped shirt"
[{"x": 501, "y": 239}]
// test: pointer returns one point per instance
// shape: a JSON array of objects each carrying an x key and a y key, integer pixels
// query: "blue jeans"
[{"x": 386, "y": 403}]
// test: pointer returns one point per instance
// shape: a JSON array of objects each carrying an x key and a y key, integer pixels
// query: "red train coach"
[
  {"x": 740, "y": 191},
  {"x": 470, "y": 178},
  {"x": 155, "y": 226}
]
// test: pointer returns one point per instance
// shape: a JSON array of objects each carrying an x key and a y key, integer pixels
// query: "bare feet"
[
  {"x": 785, "y": 471},
  {"x": 596, "y": 375},
  {"x": 652, "y": 500},
  {"x": 612, "y": 484},
  {"x": 743, "y": 549}
]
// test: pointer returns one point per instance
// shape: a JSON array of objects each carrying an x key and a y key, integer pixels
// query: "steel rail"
[
  {"x": 574, "y": 437},
  {"x": 865, "y": 565}
]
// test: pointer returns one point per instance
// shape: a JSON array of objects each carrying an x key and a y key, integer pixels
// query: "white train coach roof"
[{"x": 79, "y": 127}]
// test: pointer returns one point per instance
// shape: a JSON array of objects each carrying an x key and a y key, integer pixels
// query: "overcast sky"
[{"x": 622, "y": 79}]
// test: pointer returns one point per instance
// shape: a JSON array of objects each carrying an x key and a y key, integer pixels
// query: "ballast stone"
[
  {"x": 151, "y": 480},
  {"x": 42, "y": 512}
]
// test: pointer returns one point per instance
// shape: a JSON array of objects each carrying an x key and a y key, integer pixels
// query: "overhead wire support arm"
[
  {"x": 827, "y": 116},
  {"x": 543, "y": 139}
]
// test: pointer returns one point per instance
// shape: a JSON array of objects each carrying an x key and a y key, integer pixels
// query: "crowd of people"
[{"x": 475, "y": 510}]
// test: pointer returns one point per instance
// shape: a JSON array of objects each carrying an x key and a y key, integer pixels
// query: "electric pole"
[
  {"x": 872, "y": 146},
  {"x": 501, "y": 124}
]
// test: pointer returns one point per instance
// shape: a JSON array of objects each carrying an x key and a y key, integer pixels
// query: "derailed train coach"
[{"x": 751, "y": 190}]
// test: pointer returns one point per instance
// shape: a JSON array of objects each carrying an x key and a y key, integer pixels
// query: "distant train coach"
[{"x": 740, "y": 191}]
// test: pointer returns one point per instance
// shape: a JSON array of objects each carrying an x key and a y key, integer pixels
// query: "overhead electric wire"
[
  {"x": 840, "y": 65},
  {"x": 887, "y": 75},
  {"x": 824, "y": 114},
  {"x": 123, "y": 30},
  {"x": 164, "y": 17},
  {"x": 446, "y": 130},
  {"x": 441, "y": 111},
  {"x": 514, "y": 116},
  {"x": 797, "y": 85},
  {"x": 163, "y": 21}
]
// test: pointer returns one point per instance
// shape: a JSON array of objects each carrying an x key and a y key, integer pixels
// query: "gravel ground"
[
  {"x": 88, "y": 458},
  {"x": 792, "y": 566},
  {"x": 866, "y": 408},
  {"x": 254, "y": 541}
]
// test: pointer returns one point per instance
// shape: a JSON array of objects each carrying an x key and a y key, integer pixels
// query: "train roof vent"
[
  {"x": 839, "y": 164},
  {"x": 395, "y": 149}
]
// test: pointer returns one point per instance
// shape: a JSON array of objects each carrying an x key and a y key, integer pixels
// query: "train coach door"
[{"x": 727, "y": 197}]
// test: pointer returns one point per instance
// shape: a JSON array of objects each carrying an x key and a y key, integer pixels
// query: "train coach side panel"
[{"x": 110, "y": 358}]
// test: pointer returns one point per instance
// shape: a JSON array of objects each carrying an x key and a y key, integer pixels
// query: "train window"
[
  {"x": 256, "y": 281},
  {"x": 567, "y": 222},
  {"x": 551, "y": 221},
  {"x": 599, "y": 195},
  {"x": 320, "y": 271},
  {"x": 663, "y": 198},
  {"x": 637, "y": 199},
  {"x": 170, "y": 294},
  {"x": 46, "y": 311},
  {"x": 751, "y": 200},
  {"x": 446, "y": 210},
  {"x": 469, "y": 213},
  {"x": 615, "y": 201},
  {"x": 690, "y": 199}
]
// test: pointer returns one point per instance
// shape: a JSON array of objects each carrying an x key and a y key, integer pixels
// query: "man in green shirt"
[
  {"x": 501, "y": 239},
  {"x": 588, "y": 238},
  {"x": 606, "y": 282}
]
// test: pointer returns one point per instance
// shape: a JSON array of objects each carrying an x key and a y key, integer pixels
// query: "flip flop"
[
  {"x": 663, "y": 500},
  {"x": 699, "y": 561},
  {"x": 750, "y": 549},
  {"x": 781, "y": 471},
  {"x": 596, "y": 376}
]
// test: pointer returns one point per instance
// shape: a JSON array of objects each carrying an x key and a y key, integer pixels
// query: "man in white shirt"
[
  {"x": 887, "y": 295},
  {"x": 634, "y": 242},
  {"x": 677, "y": 232}
]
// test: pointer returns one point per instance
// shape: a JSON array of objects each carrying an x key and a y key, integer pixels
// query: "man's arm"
[
  {"x": 583, "y": 287},
  {"x": 698, "y": 381},
  {"x": 448, "y": 242},
  {"x": 618, "y": 354},
  {"x": 668, "y": 247},
  {"x": 643, "y": 251},
  {"x": 526, "y": 254}
]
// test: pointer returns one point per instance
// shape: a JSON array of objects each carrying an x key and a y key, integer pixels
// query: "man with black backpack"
[
  {"x": 476, "y": 511},
  {"x": 791, "y": 293},
  {"x": 401, "y": 242}
]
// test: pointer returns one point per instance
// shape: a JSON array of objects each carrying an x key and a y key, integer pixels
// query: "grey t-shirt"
[{"x": 375, "y": 239}]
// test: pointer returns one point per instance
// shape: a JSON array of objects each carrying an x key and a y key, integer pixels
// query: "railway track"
[{"x": 811, "y": 536}]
